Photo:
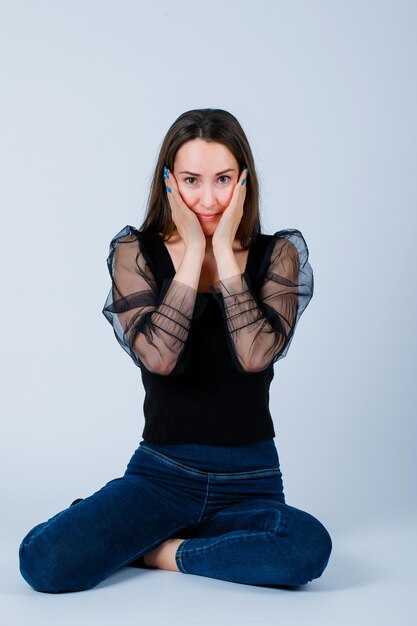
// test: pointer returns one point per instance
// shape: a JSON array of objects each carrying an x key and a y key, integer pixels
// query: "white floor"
[{"x": 369, "y": 580}]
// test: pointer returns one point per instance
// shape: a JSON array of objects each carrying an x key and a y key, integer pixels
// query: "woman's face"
[{"x": 206, "y": 174}]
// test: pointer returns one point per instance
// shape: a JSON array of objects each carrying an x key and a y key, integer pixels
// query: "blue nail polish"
[
  {"x": 243, "y": 181},
  {"x": 247, "y": 171},
  {"x": 169, "y": 189}
]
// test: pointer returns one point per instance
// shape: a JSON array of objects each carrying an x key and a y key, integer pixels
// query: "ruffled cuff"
[
  {"x": 235, "y": 296},
  {"x": 175, "y": 310}
]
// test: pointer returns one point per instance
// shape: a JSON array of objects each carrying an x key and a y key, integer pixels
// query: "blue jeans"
[{"x": 227, "y": 502}]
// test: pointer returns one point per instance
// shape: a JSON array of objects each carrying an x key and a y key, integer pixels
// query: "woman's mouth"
[{"x": 207, "y": 218}]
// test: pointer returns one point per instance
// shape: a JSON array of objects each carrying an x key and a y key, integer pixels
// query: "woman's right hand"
[{"x": 186, "y": 221}]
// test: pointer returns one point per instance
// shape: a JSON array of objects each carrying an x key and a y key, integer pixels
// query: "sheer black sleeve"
[
  {"x": 260, "y": 327},
  {"x": 151, "y": 326}
]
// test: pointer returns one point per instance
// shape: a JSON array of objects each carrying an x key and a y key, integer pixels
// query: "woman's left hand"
[{"x": 225, "y": 233}]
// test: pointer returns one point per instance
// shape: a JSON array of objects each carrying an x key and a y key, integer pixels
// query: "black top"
[{"x": 206, "y": 358}]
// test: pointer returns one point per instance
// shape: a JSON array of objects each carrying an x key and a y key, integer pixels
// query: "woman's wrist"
[{"x": 226, "y": 263}]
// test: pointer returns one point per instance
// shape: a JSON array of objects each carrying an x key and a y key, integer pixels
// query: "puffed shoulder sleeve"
[
  {"x": 151, "y": 325},
  {"x": 260, "y": 326}
]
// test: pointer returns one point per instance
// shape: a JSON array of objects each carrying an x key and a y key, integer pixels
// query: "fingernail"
[
  {"x": 243, "y": 181},
  {"x": 169, "y": 189},
  {"x": 247, "y": 171}
]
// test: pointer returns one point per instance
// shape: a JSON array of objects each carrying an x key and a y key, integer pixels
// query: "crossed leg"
[
  {"x": 258, "y": 541},
  {"x": 82, "y": 545}
]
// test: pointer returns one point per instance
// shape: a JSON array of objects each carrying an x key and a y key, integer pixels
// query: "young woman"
[{"x": 205, "y": 304}]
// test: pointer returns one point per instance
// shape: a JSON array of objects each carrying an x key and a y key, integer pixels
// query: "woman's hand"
[
  {"x": 224, "y": 235},
  {"x": 185, "y": 220}
]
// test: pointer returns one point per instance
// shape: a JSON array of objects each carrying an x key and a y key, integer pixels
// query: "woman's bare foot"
[{"x": 163, "y": 556}]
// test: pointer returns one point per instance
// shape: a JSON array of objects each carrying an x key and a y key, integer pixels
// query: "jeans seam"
[
  {"x": 178, "y": 557},
  {"x": 252, "y": 473},
  {"x": 221, "y": 538},
  {"x": 166, "y": 459},
  {"x": 205, "y": 501}
]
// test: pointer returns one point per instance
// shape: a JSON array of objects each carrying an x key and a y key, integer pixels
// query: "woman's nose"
[{"x": 208, "y": 197}]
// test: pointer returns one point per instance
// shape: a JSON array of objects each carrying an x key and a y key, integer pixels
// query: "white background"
[{"x": 326, "y": 93}]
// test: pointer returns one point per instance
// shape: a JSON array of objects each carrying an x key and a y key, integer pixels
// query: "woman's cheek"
[
  {"x": 227, "y": 196},
  {"x": 186, "y": 196}
]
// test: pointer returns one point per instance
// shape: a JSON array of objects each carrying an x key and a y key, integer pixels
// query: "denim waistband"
[{"x": 209, "y": 458}]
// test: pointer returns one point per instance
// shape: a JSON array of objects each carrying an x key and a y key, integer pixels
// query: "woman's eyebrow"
[{"x": 231, "y": 169}]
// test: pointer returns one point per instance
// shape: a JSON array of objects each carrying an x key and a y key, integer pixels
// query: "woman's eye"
[{"x": 193, "y": 178}]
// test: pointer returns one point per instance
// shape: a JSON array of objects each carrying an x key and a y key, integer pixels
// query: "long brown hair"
[{"x": 210, "y": 125}]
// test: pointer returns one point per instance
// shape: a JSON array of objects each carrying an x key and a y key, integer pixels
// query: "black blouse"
[{"x": 206, "y": 358}]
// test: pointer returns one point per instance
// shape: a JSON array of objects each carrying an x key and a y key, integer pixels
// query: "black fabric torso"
[{"x": 210, "y": 401}]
